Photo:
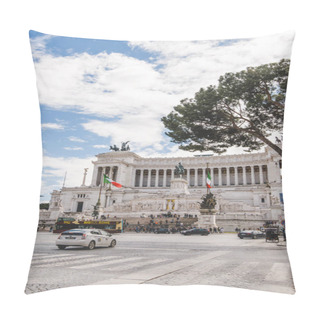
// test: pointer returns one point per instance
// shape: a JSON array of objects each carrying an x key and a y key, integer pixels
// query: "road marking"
[
  {"x": 152, "y": 249},
  {"x": 51, "y": 256},
  {"x": 152, "y": 273},
  {"x": 279, "y": 272},
  {"x": 52, "y": 263},
  {"x": 99, "y": 264}
]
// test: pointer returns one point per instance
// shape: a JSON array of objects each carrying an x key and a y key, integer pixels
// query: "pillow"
[{"x": 162, "y": 163}]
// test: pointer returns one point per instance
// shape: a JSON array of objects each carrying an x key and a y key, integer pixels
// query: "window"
[
  {"x": 262, "y": 200},
  {"x": 79, "y": 206},
  {"x": 281, "y": 197}
]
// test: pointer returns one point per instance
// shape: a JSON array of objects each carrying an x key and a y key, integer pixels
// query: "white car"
[{"x": 89, "y": 238}]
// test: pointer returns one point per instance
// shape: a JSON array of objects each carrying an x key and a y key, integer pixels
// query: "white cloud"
[
  {"x": 73, "y": 148},
  {"x": 54, "y": 126},
  {"x": 187, "y": 66},
  {"x": 142, "y": 130},
  {"x": 130, "y": 95},
  {"x": 100, "y": 146},
  {"x": 75, "y": 139},
  {"x": 57, "y": 168}
]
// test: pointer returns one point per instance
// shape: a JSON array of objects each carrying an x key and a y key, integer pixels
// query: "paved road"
[{"x": 218, "y": 259}]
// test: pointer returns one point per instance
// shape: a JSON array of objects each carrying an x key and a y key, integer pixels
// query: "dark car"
[
  {"x": 253, "y": 234},
  {"x": 203, "y": 232},
  {"x": 162, "y": 230}
]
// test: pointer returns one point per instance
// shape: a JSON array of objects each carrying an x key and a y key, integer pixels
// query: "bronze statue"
[
  {"x": 114, "y": 148},
  {"x": 124, "y": 147},
  {"x": 179, "y": 170},
  {"x": 208, "y": 201}
]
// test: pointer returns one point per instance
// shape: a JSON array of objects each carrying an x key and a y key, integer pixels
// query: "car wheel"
[
  {"x": 113, "y": 243},
  {"x": 254, "y": 237},
  {"x": 241, "y": 237},
  {"x": 62, "y": 247},
  {"x": 91, "y": 245}
]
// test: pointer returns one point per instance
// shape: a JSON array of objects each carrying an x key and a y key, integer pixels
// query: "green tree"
[
  {"x": 243, "y": 110},
  {"x": 44, "y": 206}
]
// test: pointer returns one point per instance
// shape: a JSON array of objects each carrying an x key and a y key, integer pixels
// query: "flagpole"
[
  {"x": 64, "y": 180},
  {"x": 98, "y": 203},
  {"x": 207, "y": 177}
]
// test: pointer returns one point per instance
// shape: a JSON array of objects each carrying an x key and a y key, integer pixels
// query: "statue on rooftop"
[
  {"x": 124, "y": 147},
  {"x": 114, "y": 148}
]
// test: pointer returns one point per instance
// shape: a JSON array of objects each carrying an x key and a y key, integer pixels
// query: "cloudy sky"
[{"x": 97, "y": 93}]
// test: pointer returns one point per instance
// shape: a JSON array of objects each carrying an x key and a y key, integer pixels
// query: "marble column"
[
  {"x": 134, "y": 174},
  {"x": 220, "y": 176},
  {"x": 204, "y": 171},
  {"x": 252, "y": 176},
  {"x": 84, "y": 177},
  {"x": 196, "y": 177},
  {"x": 99, "y": 176},
  {"x": 149, "y": 178},
  {"x": 164, "y": 178},
  {"x": 228, "y": 176},
  {"x": 104, "y": 170},
  {"x": 157, "y": 178},
  {"x": 261, "y": 174},
  {"x": 244, "y": 175},
  {"x": 236, "y": 178},
  {"x": 211, "y": 174},
  {"x": 188, "y": 176},
  {"x": 94, "y": 176},
  {"x": 141, "y": 178}
]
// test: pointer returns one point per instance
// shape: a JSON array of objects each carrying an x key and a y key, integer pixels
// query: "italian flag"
[
  {"x": 108, "y": 180},
  {"x": 209, "y": 180}
]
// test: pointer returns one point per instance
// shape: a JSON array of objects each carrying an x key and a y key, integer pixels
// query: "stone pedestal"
[
  {"x": 56, "y": 212},
  {"x": 207, "y": 218},
  {"x": 179, "y": 185}
]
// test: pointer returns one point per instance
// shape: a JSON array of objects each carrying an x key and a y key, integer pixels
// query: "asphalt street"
[{"x": 173, "y": 259}]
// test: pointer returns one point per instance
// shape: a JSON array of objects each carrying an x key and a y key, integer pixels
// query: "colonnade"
[
  {"x": 111, "y": 172},
  {"x": 197, "y": 177}
]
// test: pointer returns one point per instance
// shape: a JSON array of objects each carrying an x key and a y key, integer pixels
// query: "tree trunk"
[{"x": 270, "y": 144}]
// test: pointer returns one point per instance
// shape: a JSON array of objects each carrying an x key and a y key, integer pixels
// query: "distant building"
[{"x": 245, "y": 185}]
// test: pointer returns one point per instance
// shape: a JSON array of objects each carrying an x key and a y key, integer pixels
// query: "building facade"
[{"x": 245, "y": 185}]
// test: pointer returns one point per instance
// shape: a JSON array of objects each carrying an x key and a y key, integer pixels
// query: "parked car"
[
  {"x": 203, "y": 232},
  {"x": 253, "y": 234},
  {"x": 89, "y": 238},
  {"x": 162, "y": 230}
]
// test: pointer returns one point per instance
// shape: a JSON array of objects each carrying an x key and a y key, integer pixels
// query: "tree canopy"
[{"x": 243, "y": 110}]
